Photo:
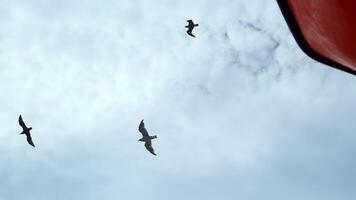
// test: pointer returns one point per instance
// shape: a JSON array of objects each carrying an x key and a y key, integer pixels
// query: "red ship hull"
[{"x": 324, "y": 29}]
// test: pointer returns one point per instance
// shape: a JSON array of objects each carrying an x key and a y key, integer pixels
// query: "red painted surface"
[{"x": 329, "y": 27}]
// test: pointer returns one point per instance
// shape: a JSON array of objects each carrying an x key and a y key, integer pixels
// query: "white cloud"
[{"x": 239, "y": 111}]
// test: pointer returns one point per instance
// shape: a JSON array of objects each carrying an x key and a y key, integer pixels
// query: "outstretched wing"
[
  {"x": 22, "y": 124},
  {"x": 189, "y": 31},
  {"x": 149, "y": 147},
  {"x": 142, "y": 129},
  {"x": 29, "y": 139},
  {"x": 190, "y": 23}
]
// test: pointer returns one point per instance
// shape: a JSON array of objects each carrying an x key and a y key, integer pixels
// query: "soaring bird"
[
  {"x": 26, "y": 131},
  {"x": 146, "y": 138},
  {"x": 190, "y": 27}
]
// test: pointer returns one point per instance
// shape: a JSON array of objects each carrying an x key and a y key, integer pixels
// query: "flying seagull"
[
  {"x": 146, "y": 138},
  {"x": 190, "y": 27},
  {"x": 26, "y": 131}
]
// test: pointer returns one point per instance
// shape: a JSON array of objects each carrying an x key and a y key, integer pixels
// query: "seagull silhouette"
[
  {"x": 26, "y": 131},
  {"x": 190, "y": 27},
  {"x": 146, "y": 138}
]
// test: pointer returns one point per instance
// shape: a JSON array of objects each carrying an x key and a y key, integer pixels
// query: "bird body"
[
  {"x": 190, "y": 27},
  {"x": 146, "y": 138},
  {"x": 26, "y": 131}
]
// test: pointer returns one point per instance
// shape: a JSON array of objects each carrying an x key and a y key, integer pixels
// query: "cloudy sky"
[{"x": 240, "y": 112}]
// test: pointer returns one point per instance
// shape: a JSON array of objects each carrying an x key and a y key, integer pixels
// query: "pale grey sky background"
[{"x": 240, "y": 112}]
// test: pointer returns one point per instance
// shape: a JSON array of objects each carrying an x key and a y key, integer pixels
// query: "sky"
[{"x": 240, "y": 111}]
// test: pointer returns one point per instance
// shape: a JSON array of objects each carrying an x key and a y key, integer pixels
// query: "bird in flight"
[
  {"x": 26, "y": 131},
  {"x": 146, "y": 138},
  {"x": 190, "y": 27}
]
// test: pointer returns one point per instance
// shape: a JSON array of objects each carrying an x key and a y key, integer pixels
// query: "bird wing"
[
  {"x": 189, "y": 31},
  {"x": 29, "y": 139},
  {"x": 190, "y": 22},
  {"x": 149, "y": 147},
  {"x": 22, "y": 124},
  {"x": 142, "y": 129}
]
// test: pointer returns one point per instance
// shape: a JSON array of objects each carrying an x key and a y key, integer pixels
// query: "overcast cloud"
[{"x": 240, "y": 112}]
